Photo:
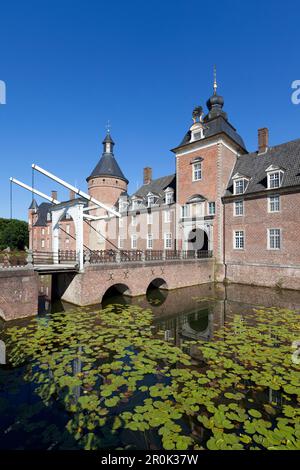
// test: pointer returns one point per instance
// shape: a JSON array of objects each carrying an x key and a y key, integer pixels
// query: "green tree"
[{"x": 13, "y": 233}]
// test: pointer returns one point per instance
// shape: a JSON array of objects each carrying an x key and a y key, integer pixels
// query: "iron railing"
[
  {"x": 122, "y": 256},
  {"x": 49, "y": 257}
]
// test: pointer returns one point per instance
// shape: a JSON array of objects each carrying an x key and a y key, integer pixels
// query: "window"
[
  {"x": 185, "y": 210},
  {"x": 68, "y": 228},
  {"x": 67, "y": 242},
  {"x": 43, "y": 231},
  {"x": 149, "y": 241},
  {"x": 169, "y": 197},
  {"x": 239, "y": 240},
  {"x": 48, "y": 231},
  {"x": 211, "y": 208},
  {"x": 120, "y": 242},
  {"x": 149, "y": 218},
  {"x": 274, "y": 204},
  {"x": 150, "y": 201},
  {"x": 43, "y": 243},
  {"x": 48, "y": 216},
  {"x": 133, "y": 220},
  {"x": 122, "y": 205},
  {"x": 68, "y": 216},
  {"x": 133, "y": 242},
  {"x": 167, "y": 217},
  {"x": 274, "y": 242},
  {"x": 239, "y": 208},
  {"x": 121, "y": 222},
  {"x": 240, "y": 186},
  {"x": 197, "y": 171},
  {"x": 274, "y": 180},
  {"x": 168, "y": 241}
]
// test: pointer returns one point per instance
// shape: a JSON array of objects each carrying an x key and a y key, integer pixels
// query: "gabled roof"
[
  {"x": 285, "y": 156},
  {"x": 34, "y": 205},
  {"x": 214, "y": 127},
  {"x": 108, "y": 166},
  {"x": 157, "y": 186}
]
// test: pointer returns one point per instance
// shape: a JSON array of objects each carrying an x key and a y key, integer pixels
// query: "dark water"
[{"x": 25, "y": 421}]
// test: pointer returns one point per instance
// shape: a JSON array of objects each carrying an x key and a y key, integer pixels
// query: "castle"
[{"x": 242, "y": 207}]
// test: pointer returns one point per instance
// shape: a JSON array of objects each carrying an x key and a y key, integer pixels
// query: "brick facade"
[{"x": 208, "y": 162}]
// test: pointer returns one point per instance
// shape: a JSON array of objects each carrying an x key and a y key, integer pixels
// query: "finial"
[
  {"x": 215, "y": 80},
  {"x": 108, "y": 127}
]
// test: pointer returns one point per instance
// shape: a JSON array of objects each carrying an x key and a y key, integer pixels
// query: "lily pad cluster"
[{"x": 121, "y": 384}]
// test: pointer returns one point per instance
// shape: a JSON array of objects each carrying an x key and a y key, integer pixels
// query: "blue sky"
[{"x": 69, "y": 66}]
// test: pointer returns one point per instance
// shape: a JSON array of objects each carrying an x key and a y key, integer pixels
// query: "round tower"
[{"x": 107, "y": 181}]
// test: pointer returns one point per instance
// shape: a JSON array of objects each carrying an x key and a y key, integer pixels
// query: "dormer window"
[
  {"x": 275, "y": 176},
  {"x": 151, "y": 198},
  {"x": 169, "y": 198},
  {"x": 240, "y": 183},
  {"x": 240, "y": 186}
]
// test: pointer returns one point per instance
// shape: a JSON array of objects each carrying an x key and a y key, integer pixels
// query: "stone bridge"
[
  {"x": 131, "y": 278},
  {"x": 19, "y": 286}
]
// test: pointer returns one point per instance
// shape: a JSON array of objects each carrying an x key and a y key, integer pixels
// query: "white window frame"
[
  {"x": 197, "y": 171},
  {"x": 270, "y": 203},
  {"x": 67, "y": 241},
  {"x": 42, "y": 243},
  {"x": 269, "y": 239},
  {"x": 133, "y": 220},
  {"x": 167, "y": 216},
  {"x": 235, "y": 208},
  {"x": 68, "y": 228},
  {"x": 120, "y": 242},
  {"x": 150, "y": 200},
  {"x": 149, "y": 241},
  {"x": 185, "y": 211},
  {"x": 211, "y": 205},
  {"x": 169, "y": 197},
  {"x": 168, "y": 241},
  {"x": 244, "y": 181},
  {"x": 134, "y": 241},
  {"x": 273, "y": 173},
  {"x": 235, "y": 239},
  {"x": 43, "y": 231},
  {"x": 149, "y": 218}
]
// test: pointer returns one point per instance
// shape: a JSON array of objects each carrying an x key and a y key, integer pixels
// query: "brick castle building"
[{"x": 244, "y": 207}]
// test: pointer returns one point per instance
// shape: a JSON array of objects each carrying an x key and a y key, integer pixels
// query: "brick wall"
[
  {"x": 256, "y": 263},
  {"x": 18, "y": 293}
]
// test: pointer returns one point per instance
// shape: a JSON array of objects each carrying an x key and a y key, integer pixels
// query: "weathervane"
[
  {"x": 215, "y": 80},
  {"x": 108, "y": 127}
]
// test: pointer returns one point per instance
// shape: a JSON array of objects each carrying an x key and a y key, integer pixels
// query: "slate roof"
[
  {"x": 254, "y": 165},
  {"x": 107, "y": 166},
  {"x": 157, "y": 187},
  {"x": 214, "y": 127},
  {"x": 33, "y": 205},
  {"x": 42, "y": 212}
]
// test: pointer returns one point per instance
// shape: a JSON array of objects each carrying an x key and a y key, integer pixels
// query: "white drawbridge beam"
[
  {"x": 33, "y": 190},
  {"x": 49, "y": 198},
  {"x": 76, "y": 190}
]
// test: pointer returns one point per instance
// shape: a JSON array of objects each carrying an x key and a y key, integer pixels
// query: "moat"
[{"x": 204, "y": 367}]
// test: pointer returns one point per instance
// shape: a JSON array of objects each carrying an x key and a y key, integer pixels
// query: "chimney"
[
  {"x": 72, "y": 194},
  {"x": 263, "y": 140},
  {"x": 54, "y": 194},
  {"x": 147, "y": 175}
]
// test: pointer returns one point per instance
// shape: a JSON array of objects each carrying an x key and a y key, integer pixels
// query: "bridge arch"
[
  {"x": 158, "y": 283},
  {"x": 116, "y": 290}
]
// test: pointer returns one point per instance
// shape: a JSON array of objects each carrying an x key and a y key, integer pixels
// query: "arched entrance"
[{"x": 197, "y": 240}]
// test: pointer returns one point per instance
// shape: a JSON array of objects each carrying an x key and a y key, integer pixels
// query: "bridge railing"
[
  {"x": 122, "y": 256},
  {"x": 49, "y": 257}
]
